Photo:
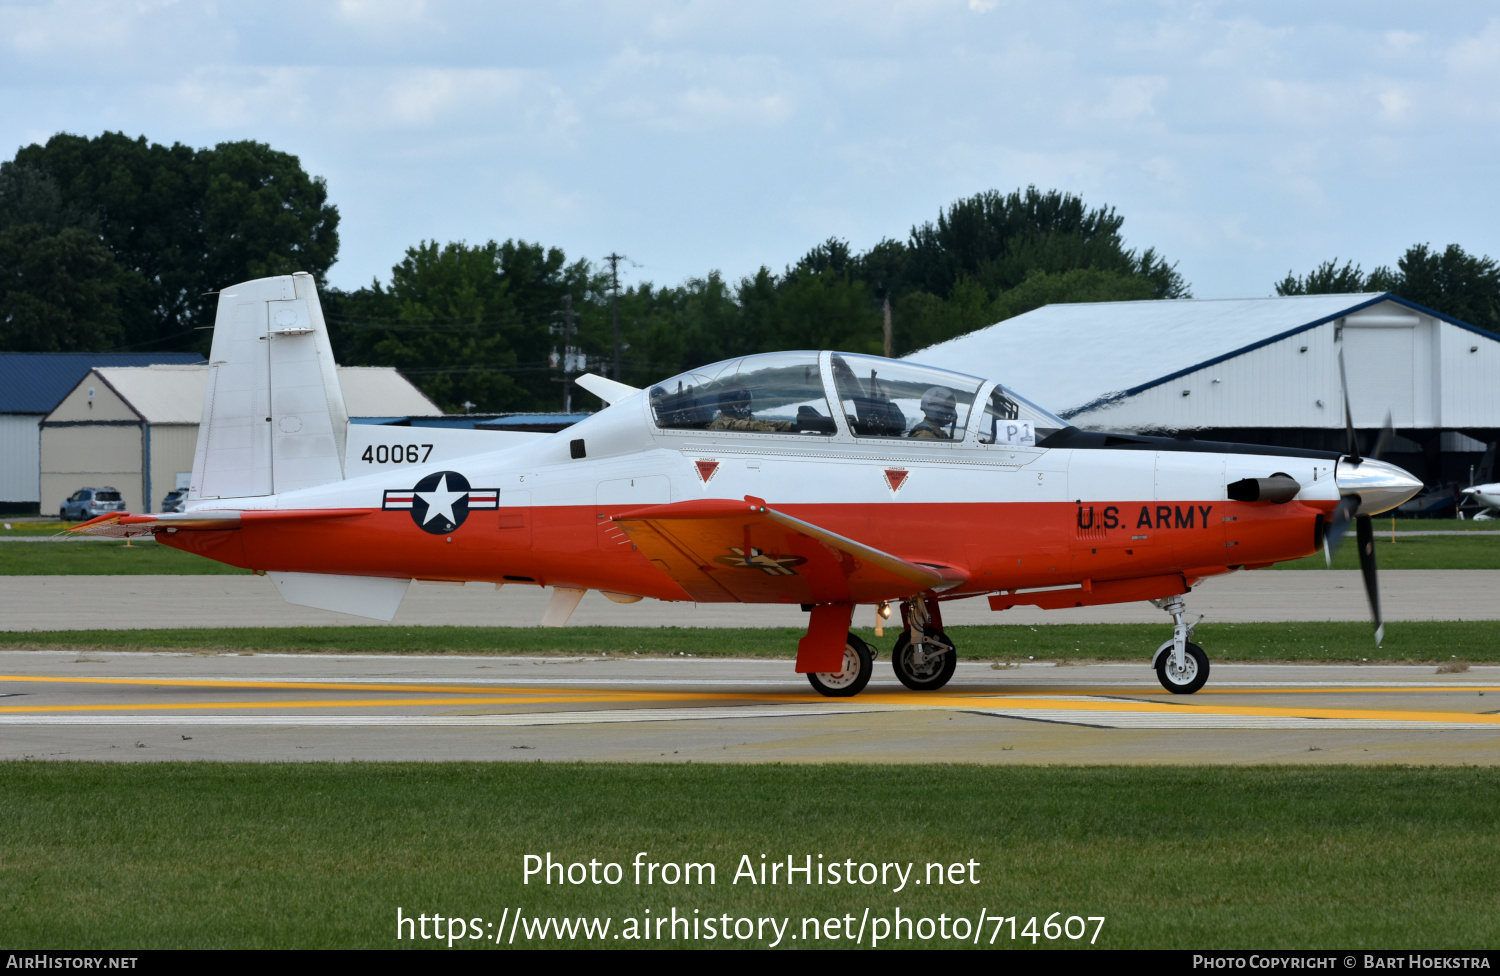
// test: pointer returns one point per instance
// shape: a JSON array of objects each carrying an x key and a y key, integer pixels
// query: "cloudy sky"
[{"x": 1241, "y": 140}]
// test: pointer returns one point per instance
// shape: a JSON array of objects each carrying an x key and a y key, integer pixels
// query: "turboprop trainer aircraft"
[
  {"x": 824, "y": 479},
  {"x": 1488, "y": 497}
]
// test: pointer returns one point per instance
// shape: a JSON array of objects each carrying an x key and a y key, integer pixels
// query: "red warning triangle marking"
[
  {"x": 706, "y": 470},
  {"x": 895, "y": 477}
]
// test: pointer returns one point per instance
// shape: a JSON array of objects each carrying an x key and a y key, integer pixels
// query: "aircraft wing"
[{"x": 720, "y": 550}]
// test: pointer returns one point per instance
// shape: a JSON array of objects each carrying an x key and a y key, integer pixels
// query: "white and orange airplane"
[{"x": 824, "y": 479}]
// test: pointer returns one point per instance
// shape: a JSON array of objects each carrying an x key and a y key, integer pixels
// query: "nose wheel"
[
  {"x": 1184, "y": 678},
  {"x": 1181, "y": 665}
]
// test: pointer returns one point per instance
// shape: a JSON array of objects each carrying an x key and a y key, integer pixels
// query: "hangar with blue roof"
[
  {"x": 31, "y": 385},
  {"x": 1258, "y": 370}
]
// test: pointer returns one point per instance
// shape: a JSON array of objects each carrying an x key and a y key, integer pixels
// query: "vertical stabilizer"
[{"x": 273, "y": 414}]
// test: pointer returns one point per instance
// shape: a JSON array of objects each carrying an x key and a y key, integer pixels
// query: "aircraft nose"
[{"x": 1380, "y": 486}]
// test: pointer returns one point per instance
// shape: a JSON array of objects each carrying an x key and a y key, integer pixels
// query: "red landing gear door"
[{"x": 822, "y": 649}]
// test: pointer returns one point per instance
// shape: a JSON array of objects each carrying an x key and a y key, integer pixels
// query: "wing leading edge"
[{"x": 720, "y": 550}]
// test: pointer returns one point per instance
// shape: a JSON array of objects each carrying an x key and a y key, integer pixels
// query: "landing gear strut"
[
  {"x": 1181, "y": 665},
  {"x": 924, "y": 657}
]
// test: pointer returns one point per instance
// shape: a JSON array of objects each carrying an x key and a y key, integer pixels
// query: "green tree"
[
  {"x": 999, "y": 239},
  {"x": 188, "y": 222},
  {"x": 471, "y": 324},
  {"x": 1451, "y": 281},
  {"x": 57, "y": 291},
  {"x": 1327, "y": 278},
  {"x": 1076, "y": 285},
  {"x": 59, "y": 284}
]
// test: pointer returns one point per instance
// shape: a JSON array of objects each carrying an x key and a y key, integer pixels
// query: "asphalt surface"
[
  {"x": 134, "y": 707},
  {"x": 131, "y": 602}
]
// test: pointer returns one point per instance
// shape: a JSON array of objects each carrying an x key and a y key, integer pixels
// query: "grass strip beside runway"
[
  {"x": 312, "y": 855},
  {"x": 1340, "y": 641},
  {"x": 106, "y": 558},
  {"x": 1479, "y": 550}
]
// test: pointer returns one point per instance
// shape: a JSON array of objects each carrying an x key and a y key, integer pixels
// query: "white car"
[{"x": 87, "y": 503}]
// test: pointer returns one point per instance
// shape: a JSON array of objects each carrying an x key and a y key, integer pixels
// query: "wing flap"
[{"x": 717, "y": 549}]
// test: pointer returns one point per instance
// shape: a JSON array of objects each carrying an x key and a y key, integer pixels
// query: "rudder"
[{"x": 274, "y": 418}]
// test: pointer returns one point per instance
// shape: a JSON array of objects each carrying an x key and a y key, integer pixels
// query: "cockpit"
[{"x": 869, "y": 397}]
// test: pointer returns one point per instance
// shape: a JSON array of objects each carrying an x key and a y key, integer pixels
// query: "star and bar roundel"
[{"x": 441, "y": 501}]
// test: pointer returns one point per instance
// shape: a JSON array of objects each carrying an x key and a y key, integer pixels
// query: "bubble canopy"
[{"x": 786, "y": 392}]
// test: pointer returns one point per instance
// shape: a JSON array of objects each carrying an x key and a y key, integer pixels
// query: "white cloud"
[
  {"x": 702, "y": 133},
  {"x": 426, "y": 97}
]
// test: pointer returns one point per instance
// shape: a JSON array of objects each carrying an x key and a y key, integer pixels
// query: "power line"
[{"x": 614, "y": 302}]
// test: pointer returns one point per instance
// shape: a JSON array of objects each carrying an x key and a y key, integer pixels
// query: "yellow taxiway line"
[{"x": 449, "y": 696}]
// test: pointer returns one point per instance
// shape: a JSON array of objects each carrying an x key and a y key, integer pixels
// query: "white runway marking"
[
  {"x": 595, "y": 717},
  {"x": 1106, "y": 719}
]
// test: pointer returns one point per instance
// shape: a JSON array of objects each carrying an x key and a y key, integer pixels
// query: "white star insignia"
[{"x": 440, "y": 501}]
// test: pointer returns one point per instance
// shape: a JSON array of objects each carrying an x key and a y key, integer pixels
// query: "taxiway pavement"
[
  {"x": 135, "y": 707},
  {"x": 130, "y": 602}
]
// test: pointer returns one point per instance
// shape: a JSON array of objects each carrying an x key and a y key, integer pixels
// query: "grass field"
[
  {"x": 1412, "y": 641},
  {"x": 211, "y": 855},
  {"x": 105, "y": 558},
  {"x": 1479, "y": 550}
]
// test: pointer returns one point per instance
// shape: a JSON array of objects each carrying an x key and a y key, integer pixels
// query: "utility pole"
[
  {"x": 885, "y": 311},
  {"x": 614, "y": 302},
  {"x": 567, "y": 353}
]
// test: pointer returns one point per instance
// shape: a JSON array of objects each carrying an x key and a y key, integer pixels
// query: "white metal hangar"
[
  {"x": 1259, "y": 370},
  {"x": 135, "y": 429}
]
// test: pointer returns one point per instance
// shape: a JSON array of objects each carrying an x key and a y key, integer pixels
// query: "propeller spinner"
[{"x": 1367, "y": 487}]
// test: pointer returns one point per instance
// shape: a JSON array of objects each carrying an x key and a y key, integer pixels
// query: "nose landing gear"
[{"x": 1181, "y": 665}]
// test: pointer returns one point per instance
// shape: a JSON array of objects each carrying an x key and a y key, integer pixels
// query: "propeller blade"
[
  {"x": 1365, "y": 532},
  {"x": 1338, "y": 524},
  {"x": 1387, "y": 434},
  {"x": 1352, "y": 448}
]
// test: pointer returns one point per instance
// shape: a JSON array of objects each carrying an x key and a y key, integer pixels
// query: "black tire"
[
  {"x": 932, "y": 676},
  {"x": 858, "y": 666},
  {"x": 1194, "y": 676}
]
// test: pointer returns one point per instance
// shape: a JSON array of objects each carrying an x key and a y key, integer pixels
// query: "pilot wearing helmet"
[
  {"x": 734, "y": 413},
  {"x": 939, "y": 413}
]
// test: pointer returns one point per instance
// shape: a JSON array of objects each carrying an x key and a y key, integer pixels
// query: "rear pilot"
[{"x": 939, "y": 413}]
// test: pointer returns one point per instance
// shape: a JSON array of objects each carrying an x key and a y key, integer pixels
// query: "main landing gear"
[
  {"x": 924, "y": 658},
  {"x": 1181, "y": 665},
  {"x": 859, "y": 664}
]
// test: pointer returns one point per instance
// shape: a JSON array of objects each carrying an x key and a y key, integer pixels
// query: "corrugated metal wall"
[
  {"x": 171, "y": 452},
  {"x": 1470, "y": 365},
  {"x": 20, "y": 457},
  {"x": 90, "y": 456},
  {"x": 1428, "y": 375}
]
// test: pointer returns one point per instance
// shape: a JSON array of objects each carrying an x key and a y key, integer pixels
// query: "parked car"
[
  {"x": 173, "y": 501},
  {"x": 87, "y": 503}
]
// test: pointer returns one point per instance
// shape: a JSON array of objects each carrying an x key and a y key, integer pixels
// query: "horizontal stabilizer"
[
  {"x": 119, "y": 525},
  {"x": 718, "y": 549}
]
